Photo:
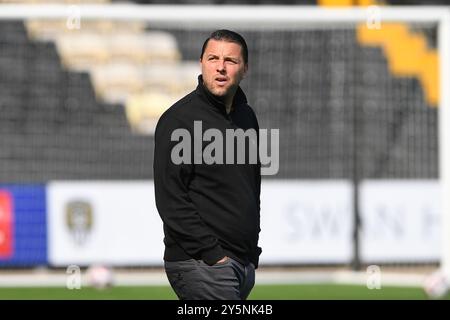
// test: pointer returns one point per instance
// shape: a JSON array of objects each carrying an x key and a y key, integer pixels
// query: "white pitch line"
[{"x": 150, "y": 278}]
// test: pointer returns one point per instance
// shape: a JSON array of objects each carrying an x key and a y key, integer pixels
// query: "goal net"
[{"x": 358, "y": 96}]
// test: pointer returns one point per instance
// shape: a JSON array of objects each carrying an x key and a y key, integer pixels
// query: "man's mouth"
[{"x": 221, "y": 80}]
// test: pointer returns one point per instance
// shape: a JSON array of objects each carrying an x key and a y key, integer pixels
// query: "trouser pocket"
[{"x": 194, "y": 279}]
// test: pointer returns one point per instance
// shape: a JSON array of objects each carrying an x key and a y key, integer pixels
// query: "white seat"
[
  {"x": 46, "y": 30},
  {"x": 161, "y": 77},
  {"x": 82, "y": 47},
  {"x": 143, "y": 110},
  {"x": 125, "y": 46},
  {"x": 160, "y": 46},
  {"x": 189, "y": 72},
  {"x": 115, "y": 82}
]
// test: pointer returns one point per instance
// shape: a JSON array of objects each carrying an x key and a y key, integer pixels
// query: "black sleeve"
[
  {"x": 174, "y": 205},
  {"x": 258, "y": 189},
  {"x": 258, "y": 167}
]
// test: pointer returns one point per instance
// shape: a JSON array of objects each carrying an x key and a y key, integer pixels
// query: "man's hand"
[{"x": 223, "y": 260}]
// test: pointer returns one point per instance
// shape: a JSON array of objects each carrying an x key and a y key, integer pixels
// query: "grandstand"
[
  {"x": 79, "y": 105},
  {"x": 84, "y": 86}
]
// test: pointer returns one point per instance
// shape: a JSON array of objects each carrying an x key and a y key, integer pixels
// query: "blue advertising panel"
[{"x": 23, "y": 225}]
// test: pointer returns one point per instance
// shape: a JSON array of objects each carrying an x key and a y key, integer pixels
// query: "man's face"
[{"x": 223, "y": 67}]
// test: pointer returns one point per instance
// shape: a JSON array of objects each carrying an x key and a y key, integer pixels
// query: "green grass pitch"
[{"x": 260, "y": 292}]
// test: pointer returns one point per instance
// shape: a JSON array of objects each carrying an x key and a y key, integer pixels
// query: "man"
[{"x": 210, "y": 211}]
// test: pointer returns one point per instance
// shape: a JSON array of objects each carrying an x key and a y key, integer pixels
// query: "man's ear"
[{"x": 245, "y": 71}]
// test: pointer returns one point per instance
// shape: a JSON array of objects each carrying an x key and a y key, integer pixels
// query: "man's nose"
[{"x": 221, "y": 66}]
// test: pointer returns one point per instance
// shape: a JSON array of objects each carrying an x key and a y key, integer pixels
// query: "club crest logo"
[{"x": 79, "y": 220}]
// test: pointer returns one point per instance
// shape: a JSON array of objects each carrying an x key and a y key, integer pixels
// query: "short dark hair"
[{"x": 230, "y": 36}]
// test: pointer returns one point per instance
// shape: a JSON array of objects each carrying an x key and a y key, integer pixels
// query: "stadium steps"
[
  {"x": 300, "y": 97},
  {"x": 407, "y": 53},
  {"x": 52, "y": 126},
  {"x": 126, "y": 62}
]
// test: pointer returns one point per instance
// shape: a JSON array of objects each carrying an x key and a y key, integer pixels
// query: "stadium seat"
[
  {"x": 189, "y": 72},
  {"x": 143, "y": 110},
  {"x": 161, "y": 77},
  {"x": 79, "y": 50},
  {"x": 160, "y": 46},
  {"x": 173, "y": 79},
  {"x": 51, "y": 29},
  {"x": 115, "y": 82},
  {"x": 141, "y": 47},
  {"x": 45, "y": 29},
  {"x": 126, "y": 47}
]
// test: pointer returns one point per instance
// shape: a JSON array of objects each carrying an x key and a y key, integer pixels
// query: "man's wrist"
[{"x": 223, "y": 260}]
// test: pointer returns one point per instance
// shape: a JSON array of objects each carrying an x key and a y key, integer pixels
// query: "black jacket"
[{"x": 208, "y": 211}]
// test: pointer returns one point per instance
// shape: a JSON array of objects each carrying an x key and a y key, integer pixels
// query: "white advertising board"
[
  {"x": 306, "y": 222},
  {"x": 400, "y": 221},
  {"x": 103, "y": 222},
  {"x": 117, "y": 223},
  {"x": 301, "y": 222}
]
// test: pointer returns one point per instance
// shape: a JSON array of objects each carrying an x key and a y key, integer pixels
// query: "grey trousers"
[{"x": 195, "y": 280}]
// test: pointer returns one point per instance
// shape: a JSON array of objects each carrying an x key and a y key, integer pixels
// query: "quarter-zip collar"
[{"x": 239, "y": 97}]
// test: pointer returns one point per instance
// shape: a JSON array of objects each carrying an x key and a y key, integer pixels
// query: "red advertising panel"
[{"x": 6, "y": 224}]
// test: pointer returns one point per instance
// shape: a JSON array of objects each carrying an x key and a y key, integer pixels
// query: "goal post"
[
  {"x": 444, "y": 134},
  {"x": 278, "y": 19},
  {"x": 207, "y": 16}
]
